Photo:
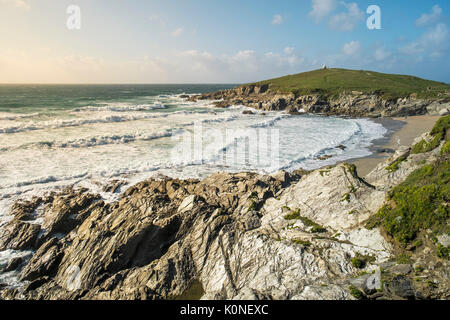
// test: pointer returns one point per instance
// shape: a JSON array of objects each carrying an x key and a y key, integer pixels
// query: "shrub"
[
  {"x": 446, "y": 148},
  {"x": 306, "y": 244},
  {"x": 293, "y": 215},
  {"x": 438, "y": 133},
  {"x": 417, "y": 204},
  {"x": 360, "y": 261},
  {"x": 442, "y": 251},
  {"x": 423, "y": 146},
  {"x": 395, "y": 166},
  {"x": 316, "y": 228},
  {"x": 404, "y": 259},
  {"x": 355, "y": 292}
]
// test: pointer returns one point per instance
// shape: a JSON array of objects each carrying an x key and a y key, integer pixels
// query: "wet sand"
[{"x": 401, "y": 131}]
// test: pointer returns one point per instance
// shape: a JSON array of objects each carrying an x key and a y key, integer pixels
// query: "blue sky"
[{"x": 203, "y": 41}]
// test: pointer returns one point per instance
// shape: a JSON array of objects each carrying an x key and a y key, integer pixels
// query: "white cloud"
[
  {"x": 21, "y": 4},
  {"x": 428, "y": 19},
  {"x": 321, "y": 9},
  {"x": 43, "y": 66},
  {"x": 352, "y": 48},
  {"x": 277, "y": 19},
  {"x": 432, "y": 43},
  {"x": 381, "y": 54},
  {"x": 157, "y": 19},
  {"x": 436, "y": 36},
  {"x": 347, "y": 21},
  {"x": 178, "y": 32},
  {"x": 289, "y": 50}
]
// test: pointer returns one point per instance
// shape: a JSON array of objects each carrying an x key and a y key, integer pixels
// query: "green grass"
[
  {"x": 438, "y": 133},
  {"x": 355, "y": 292},
  {"x": 306, "y": 244},
  {"x": 421, "y": 201},
  {"x": 423, "y": 146},
  {"x": 316, "y": 228},
  {"x": 446, "y": 148},
  {"x": 404, "y": 259},
  {"x": 442, "y": 252},
  {"x": 333, "y": 82},
  {"x": 395, "y": 166},
  {"x": 417, "y": 204},
  {"x": 360, "y": 261},
  {"x": 293, "y": 215}
]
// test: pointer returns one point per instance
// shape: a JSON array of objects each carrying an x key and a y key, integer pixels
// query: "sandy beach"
[{"x": 402, "y": 131}]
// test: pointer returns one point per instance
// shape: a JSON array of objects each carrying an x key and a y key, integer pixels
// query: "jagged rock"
[
  {"x": 401, "y": 269},
  {"x": 19, "y": 235},
  {"x": 331, "y": 292},
  {"x": 239, "y": 236},
  {"x": 36, "y": 284},
  {"x": 401, "y": 287},
  {"x": 44, "y": 262},
  {"x": 114, "y": 186},
  {"x": 187, "y": 204},
  {"x": 352, "y": 104},
  {"x": 13, "y": 264},
  {"x": 249, "y": 222},
  {"x": 444, "y": 239}
]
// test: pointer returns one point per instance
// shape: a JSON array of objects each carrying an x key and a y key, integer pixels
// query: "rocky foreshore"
[
  {"x": 299, "y": 235},
  {"x": 350, "y": 103}
]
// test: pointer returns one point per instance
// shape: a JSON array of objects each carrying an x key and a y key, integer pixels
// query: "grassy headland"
[{"x": 333, "y": 82}]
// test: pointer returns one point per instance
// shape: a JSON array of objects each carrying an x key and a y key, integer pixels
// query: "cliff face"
[
  {"x": 352, "y": 103},
  {"x": 230, "y": 236}
]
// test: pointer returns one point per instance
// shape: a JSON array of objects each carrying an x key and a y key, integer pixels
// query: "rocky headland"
[
  {"x": 340, "y": 92},
  {"x": 323, "y": 234},
  {"x": 352, "y": 103}
]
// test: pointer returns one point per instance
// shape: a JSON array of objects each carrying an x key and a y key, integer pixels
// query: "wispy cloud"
[
  {"x": 434, "y": 43},
  {"x": 21, "y": 4},
  {"x": 381, "y": 54},
  {"x": 321, "y": 9},
  {"x": 277, "y": 19},
  {"x": 430, "y": 18},
  {"x": 352, "y": 48},
  {"x": 157, "y": 19},
  {"x": 178, "y": 32},
  {"x": 347, "y": 21}
]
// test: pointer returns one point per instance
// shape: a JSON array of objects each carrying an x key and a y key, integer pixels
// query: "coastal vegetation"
[
  {"x": 438, "y": 133},
  {"x": 360, "y": 261},
  {"x": 333, "y": 82},
  {"x": 420, "y": 202},
  {"x": 396, "y": 164},
  {"x": 315, "y": 227}
]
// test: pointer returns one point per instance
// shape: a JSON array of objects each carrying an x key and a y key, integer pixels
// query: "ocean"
[{"x": 54, "y": 136}]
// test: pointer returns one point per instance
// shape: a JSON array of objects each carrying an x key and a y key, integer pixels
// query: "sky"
[{"x": 212, "y": 41}]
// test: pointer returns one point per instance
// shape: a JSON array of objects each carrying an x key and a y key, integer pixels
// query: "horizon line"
[{"x": 113, "y": 83}]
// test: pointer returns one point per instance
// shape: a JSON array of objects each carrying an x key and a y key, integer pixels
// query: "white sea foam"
[
  {"x": 133, "y": 142},
  {"x": 11, "y": 279},
  {"x": 16, "y": 116},
  {"x": 123, "y": 107}
]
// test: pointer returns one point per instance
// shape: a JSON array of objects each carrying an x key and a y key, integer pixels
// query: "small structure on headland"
[{"x": 324, "y": 67}]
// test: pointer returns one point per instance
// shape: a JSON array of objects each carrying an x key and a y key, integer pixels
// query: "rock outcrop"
[
  {"x": 297, "y": 235},
  {"x": 351, "y": 103}
]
